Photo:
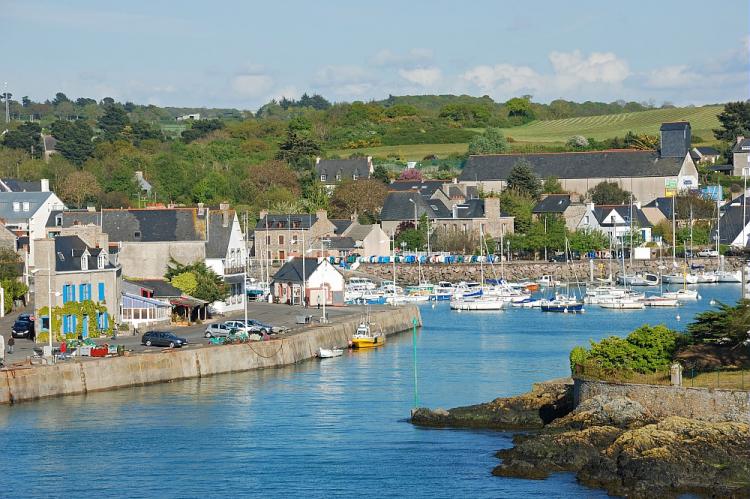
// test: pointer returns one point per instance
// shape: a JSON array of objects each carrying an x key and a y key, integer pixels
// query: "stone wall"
[
  {"x": 705, "y": 404},
  {"x": 74, "y": 377},
  {"x": 517, "y": 270}
]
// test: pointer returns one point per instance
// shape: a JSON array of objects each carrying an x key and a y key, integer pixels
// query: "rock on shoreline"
[{"x": 611, "y": 443}]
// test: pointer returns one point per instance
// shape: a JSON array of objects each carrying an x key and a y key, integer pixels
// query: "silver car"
[{"x": 217, "y": 330}]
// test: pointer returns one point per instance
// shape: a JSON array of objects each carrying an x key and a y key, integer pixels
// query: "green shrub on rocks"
[{"x": 645, "y": 350}]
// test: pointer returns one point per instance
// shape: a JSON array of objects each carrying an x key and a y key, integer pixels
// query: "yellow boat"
[{"x": 364, "y": 338}]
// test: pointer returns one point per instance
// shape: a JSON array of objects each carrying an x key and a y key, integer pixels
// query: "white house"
[
  {"x": 615, "y": 220},
  {"x": 26, "y": 214},
  {"x": 226, "y": 254},
  {"x": 323, "y": 283}
]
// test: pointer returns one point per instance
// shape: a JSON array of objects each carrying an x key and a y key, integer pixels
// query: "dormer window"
[
  {"x": 354, "y": 176},
  {"x": 26, "y": 206},
  {"x": 84, "y": 262},
  {"x": 338, "y": 176},
  {"x": 16, "y": 206},
  {"x": 58, "y": 220},
  {"x": 323, "y": 177},
  {"x": 137, "y": 234},
  {"x": 101, "y": 261}
]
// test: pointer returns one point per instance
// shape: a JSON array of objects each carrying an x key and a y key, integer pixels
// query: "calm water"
[{"x": 324, "y": 428}]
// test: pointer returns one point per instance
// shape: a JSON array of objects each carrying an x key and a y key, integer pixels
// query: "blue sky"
[{"x": 241, "y": 53}]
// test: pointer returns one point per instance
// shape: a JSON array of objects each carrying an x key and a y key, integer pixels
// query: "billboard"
[{"x": 670, "y": 187}]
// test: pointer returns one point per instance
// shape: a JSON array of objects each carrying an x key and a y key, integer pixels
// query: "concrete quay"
[{"x": 79, "y": 376}]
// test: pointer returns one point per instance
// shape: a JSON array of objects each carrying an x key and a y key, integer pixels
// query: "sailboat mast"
[{"x": 674, "y": 231}]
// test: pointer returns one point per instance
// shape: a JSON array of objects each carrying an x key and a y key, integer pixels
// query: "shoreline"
[{"x": 75, "y": 377}]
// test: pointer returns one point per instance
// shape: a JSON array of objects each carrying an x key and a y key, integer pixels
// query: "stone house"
[
  {"x": 647, "y": 174},
  {"x": 566, "y": 206},
  {"x": 331, "y": 172},
  {"x": 79, "y": 268},
  {"x": 323, "y": 283},
  {"x": 705, "y": 155},
  {"x": 26, "y": 214},
  {"x": 615, "y": 220},
  {"x": 278, "y": 237},
  {"x": 740, "y": 155}
]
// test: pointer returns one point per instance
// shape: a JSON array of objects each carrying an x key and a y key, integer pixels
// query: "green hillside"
[{"x": 702, "y": 121}]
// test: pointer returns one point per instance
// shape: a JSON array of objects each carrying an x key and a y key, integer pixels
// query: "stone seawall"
[
  {"x": 517, "y": 270},
  {"x": 75, "y": 377},
  {"x": 704, "y": 404}
]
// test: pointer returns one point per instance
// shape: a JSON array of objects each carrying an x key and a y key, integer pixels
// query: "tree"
[
  {"x": 491, "y": 142},
  {"x": 735, "y": 121},
  {"x": 551, "y": 185},
  {"x": 201, "y": 128},
  {"x": 11, "y": 265},
  {"x": 584, "y": 241},
  {"x": 363, "y": 197},
  {"x": 298, "y": 149},
  {"x": 209, "y": 286},
  {"x": 269, "y": 174},
  {"x": 381, "y": 173},
  {"x": 524, "y": 180},
  {"x": 519, "y": 206},
  {"x": 577, "y": 142},
  {"x": 411, "y": 174},
  {"x": 609, "y": 193},
  {"x": 74, "y": 140},
  {"x": 729, "y": 324},
  {"x": 26, "y": 137},
  {"x": 185, "y": 282},
  {"x": 60, "y": 98},
  {"x": 79, "y": 187},
  {"x": 142, "y": 130},
  {"x": 113, "y": 121},
  {"x": 520, "y": 107}
]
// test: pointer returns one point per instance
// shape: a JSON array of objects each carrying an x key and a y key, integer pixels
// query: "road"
[{"x": 273, "y": 314}]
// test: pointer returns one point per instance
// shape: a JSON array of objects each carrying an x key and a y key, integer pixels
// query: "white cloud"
[
  {"x": 669, "y": 77},
  {"x": 329, "y": 75},
  {"x": 603, "y": 67},
  {"x": 252, "y": 85},
  {"x": 503, "y": 78},
  {"x": 414, "y": 56},
  {"x": 425, "y": 77},
  {"x": 289, "y": 91}
]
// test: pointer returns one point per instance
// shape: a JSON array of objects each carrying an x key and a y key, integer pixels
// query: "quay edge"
[{"x": 76, "y": 377}]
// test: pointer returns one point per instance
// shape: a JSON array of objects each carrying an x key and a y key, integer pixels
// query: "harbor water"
[{"x": 331, "y": 428}]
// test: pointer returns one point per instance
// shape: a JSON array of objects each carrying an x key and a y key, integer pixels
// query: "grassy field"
[{"x": 702, "y": 121}]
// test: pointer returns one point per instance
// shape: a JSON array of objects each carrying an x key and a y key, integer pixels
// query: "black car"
[
  {"x": 162, "y": 339},
  {"x": 23, "y": 327}
]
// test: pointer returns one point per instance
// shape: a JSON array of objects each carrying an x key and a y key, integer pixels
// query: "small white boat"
[
  {"x": 547, "y": 281},
  {"x": 477, "y": 303},
  {"x": 622, "y": 304},
  {"x": 682, "y": 294},
  {"x": 639, "y": 279},
  {"x": 707, "y": 278},
  {"x": 327, "y": 353},
  {"x": 679, "y": 279},
  {"x": 728, "y": 276},
  {"x": 661, "y": 301}
]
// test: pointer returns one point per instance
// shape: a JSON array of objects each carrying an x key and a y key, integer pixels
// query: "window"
[
  {"x": 354, "y": 176},
  {"x": 137, "y": 234},
  {"x": 101, "y": 291},
  {"x": 26, "y": 206},
  {"x": 101, "y": 261},
  {"x": 465, "y": 228},
  {"x": 338, "y": 176},
  {"x": 295, "y": 239},
  {"x": 268, "y": 240},
  {"x": 323, "y": 177},
  {"x": 58, "y": 221},
  {"x": 281, "y": 239},
  {"x": 16, "y": 206},
  {"x": 84, "y": 263},
  {"x": 586, "y": 220},
  {"x": 282, "y": 255}
]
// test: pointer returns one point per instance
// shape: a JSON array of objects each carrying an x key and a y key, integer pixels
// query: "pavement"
[{"x": 268, "y": 313}]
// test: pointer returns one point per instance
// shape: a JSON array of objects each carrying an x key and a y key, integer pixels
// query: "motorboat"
[
  {"x": 468, "y": 289},
  {"x": 527, "y": 302},
  {"x": 680, "y": 278},
  {"x": 365, "y": 338},
  {"x": 360, "y": 284},
  {"x": 707, "y": 278},
  {"x": 622, "y": 303},
  {"x": 639, "y": 279},
  {"x": 562, "y": 304},
  {"x": 547, "y": 281},
  {"x": 327, "y": 353},
  {"x": 728, "y": 276},
  {"x": 595, "y": 296},
  {"x": 682, "y": 294},
  {"x": 477, "y": 303},
  {"x": 660, "y": 301},
  {"x": 443, "y": 291}
]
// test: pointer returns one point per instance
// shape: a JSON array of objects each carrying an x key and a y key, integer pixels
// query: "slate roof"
[
  {"x": 601, "y": 212},
  {"x": 708, "y": 151},
  {"x": 341, "y": 224},
  {"x": 15, "y": 185},
  {"x": 742, "y": 146},
  {"x": 568, "y": 165},
  {"x": 664, "y": 204},
  {"x": 675, "y": 125},
  {"x": 160, "y": 287},
  {"x": 35, "y": 200},
  {"x": 730, "y": 224},
  {"x": 291, "y": 271},
  {"x": 728, "y": 169},
  {"x": 50, "y": 142},
  {"x": 218, "y": 235},
  {"x": 359, "y": 232},
  {"x": 68, "y": 253},
  {"x": 399, "y": 206},
  {"x": 298, "y": 220},
  {"x": 147, "y": 225},
  {"x": 554, "y": 203},
  {"x": 425, "y": 187},
  {"x": 472, "y": 208},
  {"x": 341, "y": 243},
  {"x": 346, "y": 168}
]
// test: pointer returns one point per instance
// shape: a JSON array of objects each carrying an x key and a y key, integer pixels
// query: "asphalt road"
[{"x": 273, "y": 314}]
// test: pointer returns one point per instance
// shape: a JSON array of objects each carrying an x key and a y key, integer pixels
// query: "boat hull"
[
  {"x": 477, "y": 304},
  {"x": 563, "y": 309},
  {"x": 370, "y": 342}
]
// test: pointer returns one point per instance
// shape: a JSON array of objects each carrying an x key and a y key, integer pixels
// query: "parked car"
[
  {"x": 240, "y": 326},
  {"x": 23, "y": 327},
  {"x": 708, "y": 253},
  {"x": 262, "y": 327},
  {"x": 218, "y": 330},
  {"x": 162, "y": 339}
]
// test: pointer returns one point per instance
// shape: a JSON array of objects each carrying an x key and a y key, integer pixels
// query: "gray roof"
[
  {"x": 15, "y": 185},
  {"x": 707, "y": 151},
  {"x": 425, "y": 187},
  {"x": 68, "y": 253},
  {"x": 601, "y": 211},
  {"x": 296, "y": 220},
  {"x": 148, "y": 225},
  {"x": 675, "y": 125},
  {"x": 664, "y": 204},
  {"x": 291, "y": 271},
  {"x": 742, "y": 146},
  {"x": 345, "y": 168},
  {"x": 400, "y": 206},
  {"x": 341, "y": 243},
  {"x": 160, "y": 287},
  {"x": 341, "y": 224},
  {"x": 597, "y": 164},
  {"x": 730, "y": 224},
  {"x": 218, "y": 235},
  {"x": 359, "y": 232},
  {"x": 554, "y": 203},
  {"x": 50, "y": 142},
  {"x": 7, "y": 199}
]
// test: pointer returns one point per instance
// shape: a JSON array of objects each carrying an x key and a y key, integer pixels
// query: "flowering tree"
[{"x": 411, "y": 174}]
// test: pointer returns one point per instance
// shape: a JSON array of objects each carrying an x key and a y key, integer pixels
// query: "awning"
[
  {"x": 234, "y": 279},
  {"x": 187, "y": 301}
]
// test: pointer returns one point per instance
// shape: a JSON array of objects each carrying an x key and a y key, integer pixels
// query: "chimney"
[
  {"x": 455, "y": 180},
  {"x": 455, "y": 211},
  {"x": 262, "y": 214},
  {"x": 492, "y": 208},
  {"x": 674, "y": 139},
  {"x": 369, "y": 165},
  {"x": 201, "y": 209},
  {"x": 575, "y": 197},
  {"x": 224, "y": 207},
  {"x": 317, "y": 160},
  {"x": 321, "y": 214},
  {"x": 44, "y": 183},
  {"x": 590, "y": 206},
  {"x": 637, "y": 205}
]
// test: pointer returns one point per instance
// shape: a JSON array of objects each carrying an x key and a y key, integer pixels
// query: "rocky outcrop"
[
  {"x": 542, "y": 405},
  {"x": 611, "y": 442}
]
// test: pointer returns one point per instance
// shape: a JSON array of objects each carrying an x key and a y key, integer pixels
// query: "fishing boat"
[
  {"x": 365, "y": 338},
  {"x": 660, "y": 301},
  {"x": 327, "y": 353}
]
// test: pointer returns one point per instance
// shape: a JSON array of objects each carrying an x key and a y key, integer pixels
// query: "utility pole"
[{"x": 7, "y": 109}]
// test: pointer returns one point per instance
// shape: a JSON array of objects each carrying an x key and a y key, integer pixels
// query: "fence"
[{"x": 727, "y": 378}]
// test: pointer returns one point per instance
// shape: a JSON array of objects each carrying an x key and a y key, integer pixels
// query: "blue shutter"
[
  {"x": 101, "y": 291},
  {"x": 85, "y": 328},
  {"x": 88, "y": 291},
  {"x": 66, "y": 328},
  {"x": 105, "y": 320},
  {"x": 73, "y": 323},
  {"x": 82, "y": 291},
  {"x": 65, "y": 294},
  {"x": 72, "y": 293}
]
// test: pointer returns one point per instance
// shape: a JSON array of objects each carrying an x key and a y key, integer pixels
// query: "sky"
[{"x": 241, "y": 54}]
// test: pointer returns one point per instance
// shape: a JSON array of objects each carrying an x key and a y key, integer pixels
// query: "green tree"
[
  {"x": 26, "y": 137},
  {"x": 213, "y": 187},
  {"x": 381, "y": 173},
  {"x": 79, "y": 187},
  {"x": 358, "y": 197},
  {"x": 142, "y": 130},
  {"x": 727, "y": 325},
  {"x": 519, "y": 206},
  {"x": 609, "y": 193},
  {"x": 520, "y": 107},
  {"x": 209, "y": 287},
  {"x": 491, "y": 142},
  {"x": 298, "y": 150},
  {"x": 113, "y": 121},
  {"x": 11, "y": 265},
  {"x": 735, "y": 121},
  {"x": 185, "y": 282},
  {"x": 584, "y": 241},
  {"x": 74, "y": 140},
  {"x": 524, "y": 180},
  {"x": 552, "y": 185}
]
